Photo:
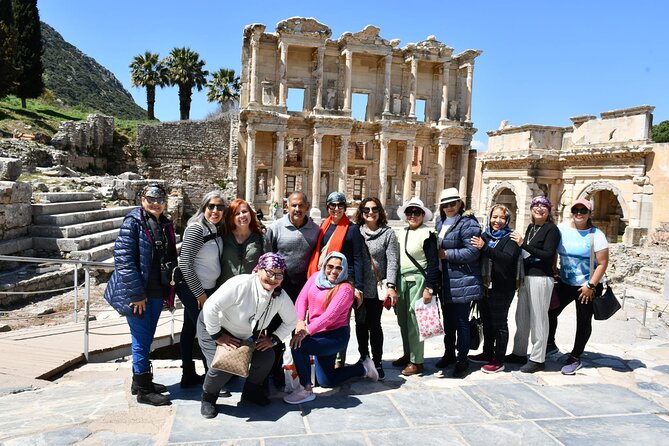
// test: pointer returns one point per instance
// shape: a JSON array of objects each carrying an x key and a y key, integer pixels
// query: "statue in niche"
[
  {"x": 330, "y": 101},
  {"x": 262, "y": 186},
  {"x": 453, "y": 110},
  {"x": 397, "y": 104},
  {"x": 324, "y": 183}
]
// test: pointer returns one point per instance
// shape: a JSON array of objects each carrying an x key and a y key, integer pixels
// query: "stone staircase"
[{"x": 75, "y": 225}]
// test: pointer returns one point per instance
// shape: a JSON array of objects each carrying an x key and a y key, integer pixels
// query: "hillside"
[{"x": 79, "y": 81}]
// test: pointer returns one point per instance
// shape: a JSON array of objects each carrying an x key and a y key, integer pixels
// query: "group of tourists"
[{"x": 296, "y": 285}]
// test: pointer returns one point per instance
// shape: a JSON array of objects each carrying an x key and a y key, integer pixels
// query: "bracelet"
[{"x": 591, "y": 286}]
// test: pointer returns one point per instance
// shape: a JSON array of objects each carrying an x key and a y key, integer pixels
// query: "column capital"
[{"x": 318, "y": 137}]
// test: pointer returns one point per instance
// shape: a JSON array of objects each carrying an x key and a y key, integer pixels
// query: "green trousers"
[{"x": 411, "y": 288}]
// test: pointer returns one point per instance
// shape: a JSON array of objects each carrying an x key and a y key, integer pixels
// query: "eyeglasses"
[
  {"x": 582, "y": 211},
  {"x": 334, "y": 267},
  {"x": 374, "y": 210},
  {"x": 451, "y": 204},
  {"x": 540, "y": 206},
  {"x": 273, "y": 275},
  {"x": 415, "y": 212},
  {"x": 218, "y": 207},
  {"x": 151, "y": 200},
  {"x": 337, "y": 205}
]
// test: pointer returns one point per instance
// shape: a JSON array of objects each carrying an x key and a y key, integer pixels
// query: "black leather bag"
[
  {"x": 475, "y": 328},
  {"x": 170, "y": 274},
  {"x": 606, "y": 305}
]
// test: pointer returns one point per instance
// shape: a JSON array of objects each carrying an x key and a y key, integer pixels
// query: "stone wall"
[{"x": 89, "y": 137}]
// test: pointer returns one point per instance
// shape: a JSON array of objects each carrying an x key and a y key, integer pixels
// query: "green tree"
[
  {"x": 223, "y": 88},
  {"x": 7, "y": 48},
  {"x": 661, "y": 132},
  {"x": 185, "y": 69},
  {"x": 28, "y": 56},
  {"x": 148, "y": 71}
]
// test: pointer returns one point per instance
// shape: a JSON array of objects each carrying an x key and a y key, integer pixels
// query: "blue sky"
[{"x": 542, "y": 62}]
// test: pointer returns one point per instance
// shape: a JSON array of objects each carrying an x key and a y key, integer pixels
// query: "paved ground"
[{"x": 621, "y": 396}]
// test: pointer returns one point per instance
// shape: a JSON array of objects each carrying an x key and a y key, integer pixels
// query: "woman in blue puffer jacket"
[
  {"x": 138, "y": 289},
  {"x": 461, "y": 272}
]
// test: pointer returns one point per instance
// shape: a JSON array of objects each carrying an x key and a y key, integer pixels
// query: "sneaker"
[
  {"x": 382, "y": 374},
  {"x": 573, "y": 364},
  {"x": 299, "y": 396},
  {"x": 460, "y": 369},
  {"x": 532, "y": 367},
  {"x": 445, "y": 361},
  {"x": 370, "y": 369},
  {"x": 481, "y": 357},
  {"x": 551, "y": 349},
  {"x": 493, "y": 367},
  {"x": 515, "y": 359}
]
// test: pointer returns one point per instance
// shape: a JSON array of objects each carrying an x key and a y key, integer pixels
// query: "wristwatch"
[{"x": 591, "y": 286}]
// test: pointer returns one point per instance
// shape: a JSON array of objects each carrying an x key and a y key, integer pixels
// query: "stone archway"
[
  {"x": 504, "y": 193},
  {"x": 610, "y": 212}
]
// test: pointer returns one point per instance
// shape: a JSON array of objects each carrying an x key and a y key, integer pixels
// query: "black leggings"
[
  {"x": 370, "y": 331},
  {"x": 494, "y": 314},
  {"x": 567, "y": 294}
]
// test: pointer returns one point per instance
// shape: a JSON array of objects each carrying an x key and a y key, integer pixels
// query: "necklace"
[{"x": 533, "y": 231}]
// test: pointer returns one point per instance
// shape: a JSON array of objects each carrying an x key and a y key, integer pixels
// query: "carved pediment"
[
  {"x": 368, "y": 36},
  {"x": 433, "y": 47},
  {"x": 304, "y": 26}
]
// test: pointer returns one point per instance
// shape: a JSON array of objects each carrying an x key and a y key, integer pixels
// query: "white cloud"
[{"x": 479, "y": 146}]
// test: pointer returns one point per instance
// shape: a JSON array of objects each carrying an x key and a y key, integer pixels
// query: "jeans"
[
  {"x": 142, "y": 329},
  {"x": 456, "y": 320},
  {"x": 324, "y": 346}
]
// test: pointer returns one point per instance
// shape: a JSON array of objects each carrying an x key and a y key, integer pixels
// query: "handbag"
[
  {"x": 428, "y": 317},
  {"x": 381, "y": 284},
  {"x": 606, "y": 305},
  {"x": 475, "y": 327},
  {"x": 235, "y": 361},
  {"x": 170, "y": 274}
]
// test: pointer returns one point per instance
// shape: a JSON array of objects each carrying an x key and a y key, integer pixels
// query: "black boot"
[
  {"x": 146, "y": 393},
  {"x": 254, "y": 393},
  {"x": 208, "y": 405},
  {"x": 188, "y": 376},
  {"x": 157, "y": 388}
]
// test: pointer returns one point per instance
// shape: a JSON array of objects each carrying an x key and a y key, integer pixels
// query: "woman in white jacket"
[{"x": 242, "y": 309}]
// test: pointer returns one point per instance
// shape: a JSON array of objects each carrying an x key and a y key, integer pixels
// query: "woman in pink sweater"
[{"x": 326, "y": 298}]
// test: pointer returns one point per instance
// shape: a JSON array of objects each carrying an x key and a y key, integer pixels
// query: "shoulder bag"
[{"x": 606, "y": 304}]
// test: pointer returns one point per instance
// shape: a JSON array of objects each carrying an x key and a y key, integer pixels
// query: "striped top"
[{"x": 199, "y": 261}]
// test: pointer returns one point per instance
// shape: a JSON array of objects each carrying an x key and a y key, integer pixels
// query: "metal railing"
[{"x": 87, "y": 266}]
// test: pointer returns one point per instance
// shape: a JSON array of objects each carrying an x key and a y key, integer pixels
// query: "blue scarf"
[{"x": 322, "y": 281}]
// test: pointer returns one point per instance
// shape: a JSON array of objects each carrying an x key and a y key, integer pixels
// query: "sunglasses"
[
  {"x": 149, "y": 199},
  {"x": 582, "y": 211},
  {"x": 218, "y": 207},
  {"x": 374, "y": 210},
  {"x": 413, "y": 212},
  {"x": 334, "y": 267},
  {"x": 273, "y": 275},
  {"x": 336, "y": 205},
  {"x": 450, "y": 204},
  {"x": 540, "y": 206}
]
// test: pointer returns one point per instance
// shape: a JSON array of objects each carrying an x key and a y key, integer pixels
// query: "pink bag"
[{"x": 428, "y": 317}]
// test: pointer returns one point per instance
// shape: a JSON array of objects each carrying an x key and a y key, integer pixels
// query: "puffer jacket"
[
  {"x": 461, "y": 270},
  {"x": 133, "y": 257}
]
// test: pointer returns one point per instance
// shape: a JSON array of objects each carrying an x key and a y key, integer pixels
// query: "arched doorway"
[
  {"x": 608, "y": 215},
  {"x": 508, "y": 198}
]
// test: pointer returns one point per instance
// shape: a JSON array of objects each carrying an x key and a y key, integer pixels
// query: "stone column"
[
  {"x": 347, "y": 82},
  {"x": 470, "y": 81},
  {"x": 464, "y": 170},
  {"x": 413, "y": 86},
  {"x": 383, "y": 171},
  {"x": 408, "y": 157},
  {"x": 250, "y": 179},
  {"x": 283, "y": 85},
  {"x": 316, "y": 175},
  {"x": 386, "y": 84},
  {"x": 319, "y": 77},
  {"x": 444, "y": 91},
  {"x": 343, "y": 163},
  {"x": 441, "y": 167},
  {"x": 279, "y": 159},
  {"x": 253, "y": 87}
]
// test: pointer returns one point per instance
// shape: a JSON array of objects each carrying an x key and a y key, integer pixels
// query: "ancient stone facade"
[
  {"x": 412, "y": 137},
  {"x": 607, "y": 160}
]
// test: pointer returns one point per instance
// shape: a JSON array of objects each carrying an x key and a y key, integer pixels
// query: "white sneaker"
[
  {"x": 299, "y": 396},
  {"x": 371, "y": 369}
]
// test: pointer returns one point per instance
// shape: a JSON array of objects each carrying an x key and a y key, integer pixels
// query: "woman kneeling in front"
[
  {"x": 327, "y": 297},
  {"x": 242, "y": 309}
]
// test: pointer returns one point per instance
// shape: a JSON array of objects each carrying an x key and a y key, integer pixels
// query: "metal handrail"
[{"x": 86, "y": 265}]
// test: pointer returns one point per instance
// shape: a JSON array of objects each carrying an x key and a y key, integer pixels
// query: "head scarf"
[
  {"x": 495, "y": 236},
  {"x": 322, "y": 281},
  {"x": 336, "y": 197},
  {"x": 271, "y": 260},
  {"x": 154, "y": 190},
  {"x": 541, "y": 200}
]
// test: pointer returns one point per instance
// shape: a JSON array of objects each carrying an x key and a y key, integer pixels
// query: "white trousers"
[{"x": 534, "y": 298}]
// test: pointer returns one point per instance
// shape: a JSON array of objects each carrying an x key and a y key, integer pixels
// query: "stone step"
[
  {"x": 100, "y": 253},
  {"x": 76, "y": 230},
  {"x": 65, "y": 207},
  {"x": 653, "y": 270},
  {"x": 72, "y": 218},
  {"x": 650, "y": 278},
  {"x": 644, "y": 284},
  {"x": 9, "y": 247},
  {"x": 60, "y": 197},
  {"x": 75, "y": 244}
]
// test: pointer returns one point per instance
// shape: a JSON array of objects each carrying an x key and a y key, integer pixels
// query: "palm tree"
[
  {"x": 148, "y": 71},
  {"x": 223, "y": 88},
  {"x": 184, "y": 68}
]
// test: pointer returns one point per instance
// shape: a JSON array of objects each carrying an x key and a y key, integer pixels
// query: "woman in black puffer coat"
[{"x": 461, "y": 272}]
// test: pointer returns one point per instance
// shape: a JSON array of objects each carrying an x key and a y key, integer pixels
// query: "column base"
[{"x": 315, "y": 214}]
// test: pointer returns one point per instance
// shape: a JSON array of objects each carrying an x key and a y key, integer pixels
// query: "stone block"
[
  {"x": 15, "y": 192},
  {"x": 130, "y": 176},
  {"x": 10, "y": 169},
  {"x": 16, "y": 216},
  {"x": 632, "y": 236}
]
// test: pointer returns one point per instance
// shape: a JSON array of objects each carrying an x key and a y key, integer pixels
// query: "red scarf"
[{"x": 335, "y": 243}]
